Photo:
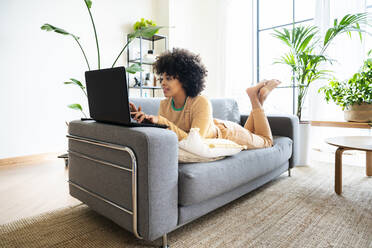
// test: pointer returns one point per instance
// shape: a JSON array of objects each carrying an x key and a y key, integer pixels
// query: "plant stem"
[
  {"x": 95, "y": 34},
  {"x": 84, "y": 114},
  {"x": 122, "y": 50},
  {"x": 84, "y": 92},
  {"x": 86, "y": 60},
  {"x": 299, "y": 106}
]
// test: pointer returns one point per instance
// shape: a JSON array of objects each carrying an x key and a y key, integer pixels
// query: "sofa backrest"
[{"x": 223, "y": 108}]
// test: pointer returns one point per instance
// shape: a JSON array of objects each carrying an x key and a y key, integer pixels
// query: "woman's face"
[{"x": 171, "y": 86}]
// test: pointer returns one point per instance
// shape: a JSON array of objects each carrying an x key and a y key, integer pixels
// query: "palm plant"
[
  {"x": 143, "y": 31},
  {"x": 307, "y": 51}
]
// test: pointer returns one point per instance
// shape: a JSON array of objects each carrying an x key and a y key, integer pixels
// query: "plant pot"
[
  {"x": 304, "y": 153},
  {"x": 358, "y": 113}
]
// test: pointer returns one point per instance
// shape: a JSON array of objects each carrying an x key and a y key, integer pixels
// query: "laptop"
[{"x": 108, "y": 97}]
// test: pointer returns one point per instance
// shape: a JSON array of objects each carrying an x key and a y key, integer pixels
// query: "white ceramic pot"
[
  {"x": 304, "y": 154},
  {"x": 358, "y": 113}
]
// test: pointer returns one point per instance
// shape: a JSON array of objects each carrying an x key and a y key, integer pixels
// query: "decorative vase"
[
  {"x": 358, "y": 113},
  {"x": 304, "y": 153}
]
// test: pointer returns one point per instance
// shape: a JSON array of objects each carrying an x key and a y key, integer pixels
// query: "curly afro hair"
[{"x": 186, "y": 67}]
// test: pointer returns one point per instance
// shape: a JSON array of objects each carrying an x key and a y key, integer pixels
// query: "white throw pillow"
[
  {"x": 187, "y": 157},
  {"x": 205, "y": 149}
]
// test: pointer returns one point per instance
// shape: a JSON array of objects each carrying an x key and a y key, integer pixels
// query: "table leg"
[
  {"x": 369, "y": 164},
  {"x": 338, "y": 170}
]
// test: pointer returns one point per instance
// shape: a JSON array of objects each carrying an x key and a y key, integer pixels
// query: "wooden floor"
[{"x": 31, "y": 189}]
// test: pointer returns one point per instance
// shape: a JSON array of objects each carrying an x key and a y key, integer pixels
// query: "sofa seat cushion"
[{"x": 201, "y": 181}]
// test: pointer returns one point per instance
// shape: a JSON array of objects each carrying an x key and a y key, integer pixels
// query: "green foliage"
[
  {"x": 356, "y": 90},
  {"x": 307, "y": 52},
  {"x": 78, "y": 83},
  {"x": 133, "y": 68},
  {"x": 49, "y": 27},
  {"x": 349, "y": 23},
  {"x": 75, "y": 82},
  {"x": 143, "y": 28},
  {"x": 146, "y": 32},
  {"x": 75, "y": 106},
  {"x": 143, "y": 23}
]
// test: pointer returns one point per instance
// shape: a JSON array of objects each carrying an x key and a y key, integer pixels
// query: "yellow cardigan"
[{"x": 197, "y": 113}]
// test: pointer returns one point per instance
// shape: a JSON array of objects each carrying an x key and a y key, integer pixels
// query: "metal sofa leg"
[
  {"x": 165, "y": 242},
  {"x": 289, "y": 172}
]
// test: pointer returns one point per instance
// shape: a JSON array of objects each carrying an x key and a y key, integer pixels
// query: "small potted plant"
[{"x": 353, "y": 95}]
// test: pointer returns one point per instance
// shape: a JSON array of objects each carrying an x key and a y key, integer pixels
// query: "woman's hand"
[
  {"x": 140, "y": 116},
  {"x": 132, "y": 107},
  {"x": 152, "y": 118}
]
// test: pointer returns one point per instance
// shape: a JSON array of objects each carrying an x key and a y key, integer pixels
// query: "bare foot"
[
  {"x": 253, "y": 93},
  {"x": 254, "y": 90},
  {"x": 265, "y": 91}
]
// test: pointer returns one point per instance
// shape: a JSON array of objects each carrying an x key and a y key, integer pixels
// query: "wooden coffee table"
[{"x": 362, "y": 143}]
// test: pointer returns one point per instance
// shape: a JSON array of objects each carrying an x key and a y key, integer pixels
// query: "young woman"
[{"x": 183, "y": 79}]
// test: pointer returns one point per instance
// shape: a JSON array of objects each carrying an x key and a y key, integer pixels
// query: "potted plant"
[
  {"x": 143, "y": 28},
  {"x": 306, "y": 58},
  {"x": 353, "y": 95}
]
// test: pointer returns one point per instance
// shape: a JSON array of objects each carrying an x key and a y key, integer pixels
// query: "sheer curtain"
[
  {"x": 237, "y": 58},
  {"x": 348, "y": 53}
]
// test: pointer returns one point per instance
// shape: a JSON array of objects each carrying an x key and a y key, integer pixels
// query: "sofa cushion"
[
  {"x": 201, "y": 181},
  {"x": 149, "y": 105},
  {"x": 225, "y": 109}
]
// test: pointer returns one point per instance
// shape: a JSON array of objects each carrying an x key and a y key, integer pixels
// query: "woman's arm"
[
  {"x": 180, "y": 133},
  {"x": 201, "y": 115}
]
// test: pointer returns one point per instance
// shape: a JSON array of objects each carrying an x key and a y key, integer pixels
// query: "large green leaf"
[
  {"x": 146, "y": 32},
  {"x": 298, "y": 39},
  {"x": 78, "y": 83},
  {"x": 49, "y": 27},
  {"x": 75, "y": 106},
  {"x": 349, "y": 23},
  {"x": 75, "y": 82},
  {"x": 133, "y": 68}
]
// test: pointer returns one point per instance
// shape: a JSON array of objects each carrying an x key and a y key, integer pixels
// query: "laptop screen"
[{"x": 108, "y": 95}]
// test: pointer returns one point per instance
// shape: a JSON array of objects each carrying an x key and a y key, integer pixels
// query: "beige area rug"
[{"x": 298, "y": 211}]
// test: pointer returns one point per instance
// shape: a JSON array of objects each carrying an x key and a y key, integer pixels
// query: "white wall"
[
  {"x": 34, "y": 64},
  {"x": 195, "y": 28}
]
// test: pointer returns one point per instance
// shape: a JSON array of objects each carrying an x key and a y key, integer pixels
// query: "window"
[
  {"x": 276, "y": 15},
  {"x": 368, "y": 38}
]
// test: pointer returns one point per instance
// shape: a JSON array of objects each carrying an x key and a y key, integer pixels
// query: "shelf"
[
  {"x": 147, "y": 87},
  {"x": 345, "y": 124},
  {"x": 139, "y": 62},
  {"x": 154, "y": 38},
  {"x": 142, "y": 61}
]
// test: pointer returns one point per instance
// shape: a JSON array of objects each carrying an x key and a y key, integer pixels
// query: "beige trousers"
[{"x": 256, "y": 132}]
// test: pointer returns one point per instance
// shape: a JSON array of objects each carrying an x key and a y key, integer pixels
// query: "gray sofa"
[{"x": 132, "y": 175}]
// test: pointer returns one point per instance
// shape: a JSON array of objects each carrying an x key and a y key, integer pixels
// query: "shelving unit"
[{"x": 139, "y": 60}]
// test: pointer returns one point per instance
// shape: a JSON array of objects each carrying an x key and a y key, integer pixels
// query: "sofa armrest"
[
  {"x": 156, "y": 153},
  {"x": 284, "y": 125}
]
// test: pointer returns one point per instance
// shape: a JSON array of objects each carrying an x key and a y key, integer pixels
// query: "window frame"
[{"x": 258, "y": 30}]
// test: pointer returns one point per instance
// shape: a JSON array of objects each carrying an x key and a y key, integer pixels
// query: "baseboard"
[{"x": 29, "y": 158}]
